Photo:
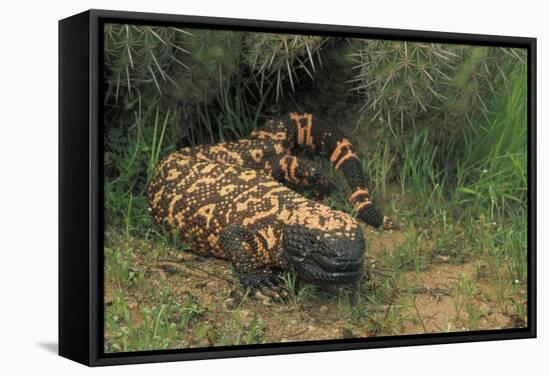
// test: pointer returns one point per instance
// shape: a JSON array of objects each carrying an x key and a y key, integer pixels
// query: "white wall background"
[{"x": 28, "y": 185}]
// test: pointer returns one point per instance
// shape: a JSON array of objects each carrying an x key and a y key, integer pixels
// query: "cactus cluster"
[
  {"x": 402, "y": 82},
  {"x": 217, "y": 84},
  {"x": 201, "y": 74}
]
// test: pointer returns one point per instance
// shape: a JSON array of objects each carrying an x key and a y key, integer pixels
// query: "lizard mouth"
[{"x": 327, "y": 272}]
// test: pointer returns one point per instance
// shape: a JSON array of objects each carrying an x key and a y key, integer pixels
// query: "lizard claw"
[
  {"x": 388, "y": 224},
  {"x": 266, "y": 284}
]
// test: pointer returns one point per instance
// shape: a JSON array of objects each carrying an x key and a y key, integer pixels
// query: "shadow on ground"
[{"x": 51, "y": 347}]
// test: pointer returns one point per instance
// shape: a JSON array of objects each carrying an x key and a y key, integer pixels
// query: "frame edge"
[{"x": 74, "y": 247}]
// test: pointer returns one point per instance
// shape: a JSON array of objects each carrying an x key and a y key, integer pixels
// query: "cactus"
[
  {"x": 136, "y": 56},
  {"x": 190, "y": 64},
  {"x": 182, "y": 70},
  {"x": 212, "y": 60},
  {"x": 482, "y": 72},
  {"x": 401, "y": 82},
  {"x": 275, "y": 59}
]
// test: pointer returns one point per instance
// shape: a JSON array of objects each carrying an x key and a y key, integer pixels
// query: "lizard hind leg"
[{"x": 240, "y": 245}]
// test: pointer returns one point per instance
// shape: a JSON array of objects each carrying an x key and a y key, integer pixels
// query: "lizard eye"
[{"x": 311, "y": 242}]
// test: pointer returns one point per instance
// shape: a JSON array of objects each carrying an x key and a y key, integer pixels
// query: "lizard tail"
[{"x": 331, "y": 143}]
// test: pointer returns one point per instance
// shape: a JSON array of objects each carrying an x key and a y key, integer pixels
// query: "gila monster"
[{"x": 230, "y": 200}]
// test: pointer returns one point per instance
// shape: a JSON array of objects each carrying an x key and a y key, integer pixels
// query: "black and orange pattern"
[
  {"x": 330, "y": 142},
  {"x": 230, "y": 200}
]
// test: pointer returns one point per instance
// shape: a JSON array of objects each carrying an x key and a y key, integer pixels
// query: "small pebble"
[{"x": 230, "y": 303}]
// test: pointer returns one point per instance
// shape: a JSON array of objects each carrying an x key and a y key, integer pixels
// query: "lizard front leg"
[{"x": 240, "y": 244}]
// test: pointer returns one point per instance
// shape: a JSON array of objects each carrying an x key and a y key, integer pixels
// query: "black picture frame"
[{"x": 81, "y": 196}]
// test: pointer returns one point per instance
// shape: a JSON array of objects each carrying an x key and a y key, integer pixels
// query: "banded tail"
[{"x": 330, "y": 142}]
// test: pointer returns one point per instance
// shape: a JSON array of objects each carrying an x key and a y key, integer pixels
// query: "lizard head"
[{"x": 324, "y": 246}]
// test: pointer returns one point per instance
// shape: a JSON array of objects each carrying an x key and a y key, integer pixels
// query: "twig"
[
  {"x": 184, "y": 267},
  {"x": 297, "y": 333}
]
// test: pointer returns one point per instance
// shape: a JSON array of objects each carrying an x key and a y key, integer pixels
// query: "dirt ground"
[{"x": 426, "y": 301}]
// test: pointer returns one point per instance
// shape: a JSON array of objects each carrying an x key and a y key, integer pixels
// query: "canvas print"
[{"x": 270, "y": 188}]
